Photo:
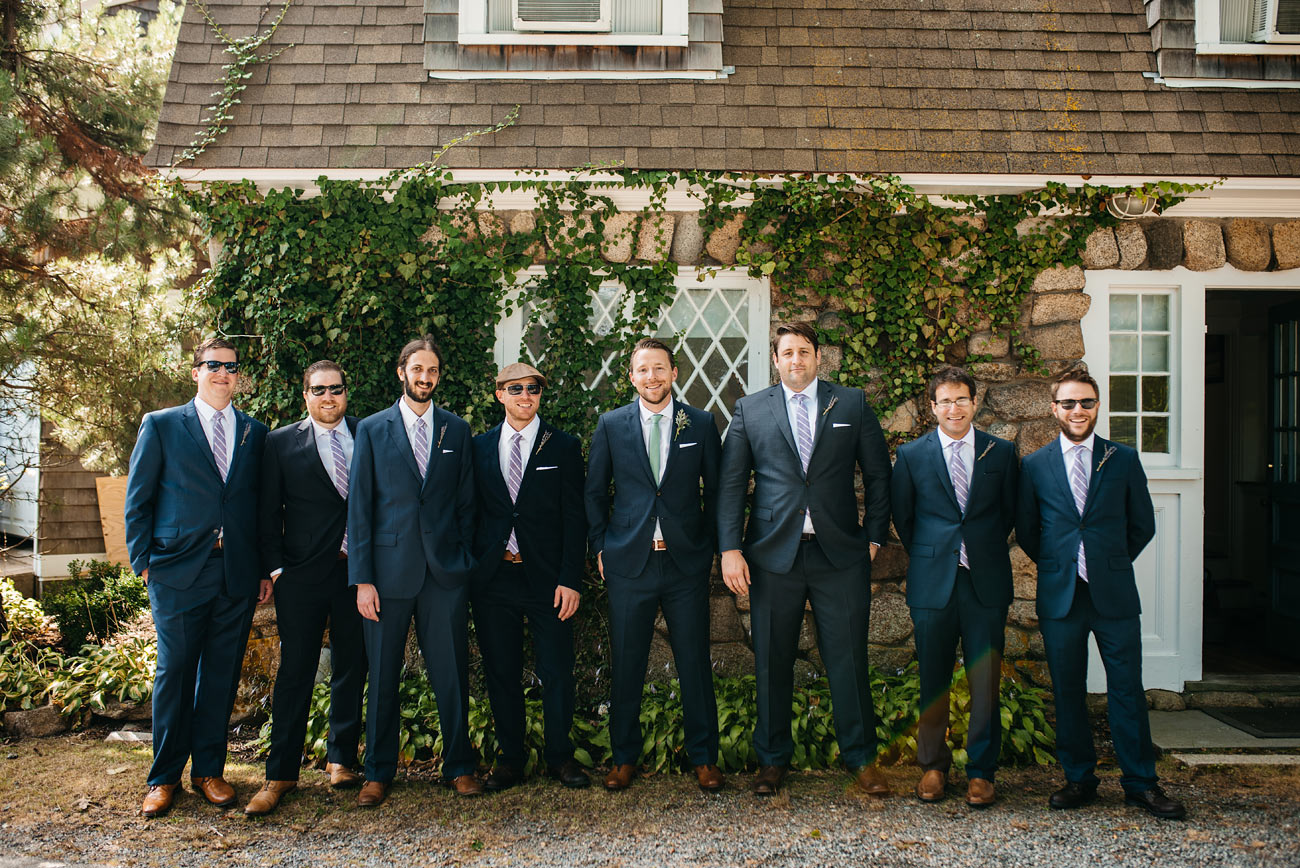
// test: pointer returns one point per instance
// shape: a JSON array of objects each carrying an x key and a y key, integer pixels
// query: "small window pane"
[
  {"x": 1155, "y": 313},
  {"x": 1124, "y": 313},
  {"x": 1123, "y": 393},
  {"x": 1155, "y": 352},
  {"x": 1155, "y": 433},
  {"x": 1123, "y": 429},
  {"x": 1123, "y": 352},
  {"x": 1155, "y": 395}
]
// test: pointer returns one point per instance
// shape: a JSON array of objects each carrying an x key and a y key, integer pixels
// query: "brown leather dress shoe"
[
  {"x": 709, "y": 778},
  {"x": 930, "y": 788},
  {"x": 158, "y": 800},
  {"x": 342, "y": 777},
  {"x": 215, "y": 790},
  {"x": 265, "y": 799},
  {"x": 870, "y": 781},
  {"x": 466, "y": 785},
  {"x": 372, "y": 794},
  {"x": 768, "y": 780},
  {"x": 620, "y": 777},
  {"x": 979, "y": 793}
]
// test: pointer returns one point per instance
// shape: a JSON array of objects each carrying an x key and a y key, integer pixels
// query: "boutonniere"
[
  {"x": 986, "y": 450},
  {"x": 682, "y": 421},
  {"x": 242, "y": 440},
  {"x": 834, "y": 398},
  {"x": 441, "y": 432},
  {"x": 545, "y": 436},
  {"x": 1110, "y": 450}
]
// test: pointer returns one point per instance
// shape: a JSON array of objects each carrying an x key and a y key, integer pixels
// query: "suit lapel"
[
  {"x": 1099, "y": 448},
  {"x": 190, "y": 419},
  {"x": 934, "y": 448},
  {"x": 436, "y": 427},
  {"x": 824, "y": 391},
  {"x": 1057, "y": 469},
  {"x": 670, "y": 431},
  {"x": 982, "y": 441},
  {"x": 402, "y": 443},
  {"x": 637, "y": 441},
  {"x": 530, "y": 465},
  {"x": 777, "y": 403},
  {"x": 307, "y": 446}
]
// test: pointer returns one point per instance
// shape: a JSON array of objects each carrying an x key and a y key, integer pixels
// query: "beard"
[
  {"x": 1078, "y": 438},
  {"x": 414, "y": 392}
]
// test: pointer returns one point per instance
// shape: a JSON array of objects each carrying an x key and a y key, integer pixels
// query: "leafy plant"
[
  {"x": 95, "y": 603},
  {"x": 23, "y": 615},
  {"x": 121, "y": 671},
  {"x": 25, "y": 673}
]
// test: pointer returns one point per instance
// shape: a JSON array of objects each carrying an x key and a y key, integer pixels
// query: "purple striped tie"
[
  {"x": 512, "y": 484},
  {"x": 805, "y": 430},
  {"x": 961, "y": 488},
  {"x": 1079, "y": 487},
  {"x": 420, "y": 445},
  {"x": 340, "y": 477},
  {"x": 219, "y": 443}
]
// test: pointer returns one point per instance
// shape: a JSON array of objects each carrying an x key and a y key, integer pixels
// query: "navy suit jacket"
[
  {"x": 932, "y": 526},
  {"x": 1117, "y": 523},
  {"x": 547, "y": 516},
  {"x": 176, "y": 502},
  {"x": 759, "y": 439},
  {"x": 684, "y": 501},
  {"x": 400, "y": 526},
  {"x": 302, "y": 513}
]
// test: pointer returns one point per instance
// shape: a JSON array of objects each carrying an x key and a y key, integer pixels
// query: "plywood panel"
[{"x": 112, "y": 505}]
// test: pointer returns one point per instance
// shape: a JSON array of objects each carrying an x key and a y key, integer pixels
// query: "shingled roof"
[{"x": 969, "y": 86}]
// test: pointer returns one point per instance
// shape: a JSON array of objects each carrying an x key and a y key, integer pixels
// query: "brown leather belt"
[
  {"x": 658, "y": 545},
  {"x": 512, "y": 557},
  {"x": 805, "y": 537},
  {"x": 218, "y": 545}
]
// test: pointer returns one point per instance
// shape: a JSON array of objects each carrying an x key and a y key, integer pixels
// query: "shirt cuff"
[{"x": 275, "y": 573}]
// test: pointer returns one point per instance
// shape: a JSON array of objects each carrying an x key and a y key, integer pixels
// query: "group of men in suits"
[{"x": 404, "y": 517}]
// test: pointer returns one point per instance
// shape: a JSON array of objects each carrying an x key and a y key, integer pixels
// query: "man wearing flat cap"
[{"x": 530, "y": 543}]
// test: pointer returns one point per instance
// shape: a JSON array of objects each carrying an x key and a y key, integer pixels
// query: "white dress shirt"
[
  {"x": 505, "y": 444},
  {"x": 408, "y": 422},
  {"x": 665, "y": 442},
  {"x": 206, "y": 414},
  {"x": 792, "y": 410},
  {"x": 325, "y": 449},
  {"x": 1067, "y": 456},
  {"x": 966, "y": 451}
]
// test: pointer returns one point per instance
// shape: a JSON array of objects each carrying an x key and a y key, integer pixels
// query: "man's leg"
[
  {"x": 776, "y": 614},
  {"x": 300, "y": 615},
  {"x": 553, "y": 650},
  {"x": 983, "y": 635},
  {"x": 1120, "y": 642},
  {"x": 633, "y": 603},
  {"x": 1066, "y": 642},
  {"x": 385, "y": 646},
  {"x": 442, "y": 628},
  {"x": 685, "y": 602},
  {"x": 936, "y": 636},
  {"x": 348, "y": 670},
  {"x": 220, "y": 663},
  {"x": 180, "y": 640},
  {"x": 499, "y": 624}
]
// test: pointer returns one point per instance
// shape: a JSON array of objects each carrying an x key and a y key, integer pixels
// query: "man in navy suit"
[
  {"x": 654, "y": 545},
  {"x": 191, "y": 533},
  {"x": 531, "y": 545},
  {"x": 304, "y": 512},
  {"x": 1084, "y": 516},
  {"x": 410, "y": 533},
  {"x": 802, "y": 439},
  {"x": 954, "y": 498}
]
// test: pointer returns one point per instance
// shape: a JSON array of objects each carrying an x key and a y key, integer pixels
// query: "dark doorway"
[{"x": 1251, "y": 546}]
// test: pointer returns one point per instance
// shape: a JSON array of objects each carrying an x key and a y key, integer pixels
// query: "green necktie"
[{"x": 654, "y": 445}]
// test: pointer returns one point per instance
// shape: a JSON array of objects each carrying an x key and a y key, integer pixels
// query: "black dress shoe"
[
  {"x": 768, "y": 780},
  {"x": 1157, "y": 803},
  {"x": 502, "y": 777},
  {"x": 1073, "y": 795},
  {"x": 571, "y": 774}
]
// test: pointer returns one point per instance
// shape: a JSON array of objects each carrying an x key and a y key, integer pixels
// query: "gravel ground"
[{"x": 76, "y": 800}]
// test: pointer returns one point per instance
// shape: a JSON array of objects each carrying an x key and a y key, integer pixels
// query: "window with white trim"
[
  {"x": 1141, "y": 369},
  {"x": 574, "y": 22},
  {"x": 1248, "y": 26}
]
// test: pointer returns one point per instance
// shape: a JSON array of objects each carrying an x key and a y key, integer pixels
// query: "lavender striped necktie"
[
  {"x": 961, "y": 488},
  {"x": 420, "y": 444},
  {"x": 804, "y": 430},
  {"x": 512, "y": 483},
  {"x": 219, "y": 444},
  {"x": 1079, "y": 488},
  {"x": 340, "y": 477}
]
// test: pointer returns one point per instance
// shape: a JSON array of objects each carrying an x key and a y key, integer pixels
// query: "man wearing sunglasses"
[
  {"x": 303, "y": 534},
  {"x": 191, "y": 533},
  {"x": 1084, "y": 516},
  {"x": 531, "y": 545}
]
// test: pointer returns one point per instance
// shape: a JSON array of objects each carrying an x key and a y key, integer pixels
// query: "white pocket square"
[
  {"x": 446, "y": 451},
  {"x": 550, "y": 467},
  {"x": 684, "y": 445},
  {"x": 841, "y": 425}
]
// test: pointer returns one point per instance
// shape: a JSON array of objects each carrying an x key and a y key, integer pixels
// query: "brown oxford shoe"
[
  {"x": 979, "y": 793},
  {"x": 930, "y": 788},
  {"x": 768, "y": 780},
  {"x": 265, "y": 799},
  {"x": 215, "y": 790},
  {"x": 342, "y": 777},
  {"x": 620, "y": 777},
  {"x": 870, "y": 781},
  {"x": 466, "y": 785},
  {"x": 372, "y": 794},
  {"x": 709, "y": 778},
  {"x": 158, "y": 800}
]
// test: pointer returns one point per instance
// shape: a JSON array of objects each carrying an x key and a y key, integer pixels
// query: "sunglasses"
[
  {"x": 1085, "y": 403},
  {"x": 518, "y": 389},
  {"x": 334, "y": 389},
  {"x": 213, "y": 365}
]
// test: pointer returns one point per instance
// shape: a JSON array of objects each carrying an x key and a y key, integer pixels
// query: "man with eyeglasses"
[
  {"x": 191, "y": 534},
  {"x": 954, "y": 500},
  {"x": 303, "y": 534},
  {"x": 531, "y": 545},
  {"x": 1084, "y": 516}
]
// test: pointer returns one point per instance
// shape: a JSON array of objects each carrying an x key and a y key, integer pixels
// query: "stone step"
[
  {"x": 1196, "y": 730},
  {"x": 1202, "y": 760}
]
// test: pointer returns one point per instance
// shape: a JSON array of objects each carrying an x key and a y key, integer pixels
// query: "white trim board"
[{"x": 56, "y": 566}]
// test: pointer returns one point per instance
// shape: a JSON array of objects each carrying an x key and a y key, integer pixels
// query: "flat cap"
[{"x": 519, "y": 371}]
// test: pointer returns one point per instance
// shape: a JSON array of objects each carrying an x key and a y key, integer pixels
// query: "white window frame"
[
  {"x": 1209, "y": 39},
  {"x": 472, "y": 30}
]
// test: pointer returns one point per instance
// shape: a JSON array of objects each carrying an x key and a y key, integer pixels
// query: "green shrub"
[
  {"x": 97, "y": 603},
  {"x": 23, "y": 615},
  {"x": 121, "y": 671},
  {"x": 25, "y": 673}
]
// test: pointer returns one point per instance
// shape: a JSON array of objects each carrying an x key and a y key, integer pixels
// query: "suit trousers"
[
  {"x": 500, "y": 607},
  {"x": 302, "y": 612},
  {"x": 981, "y": 630},
  {"x": 841, "y": 604},
  {"x": 202, "y": 634},
  {"x": 441, "y": 619},
  {"x": 1120, "y": 642},
  {"x": 633, "y": 603}
]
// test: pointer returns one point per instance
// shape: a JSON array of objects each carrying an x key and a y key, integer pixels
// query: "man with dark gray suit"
[
  {"x": 801, "y": 440},
  {"x": 654, "y": 547},
  {"x": 411, "y": 529},
  {"x": 191, "y": 533},
  {"x": 954, "y": 498}
]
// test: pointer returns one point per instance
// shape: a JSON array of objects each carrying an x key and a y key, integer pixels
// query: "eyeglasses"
[
  {"x": 213, "y": 365},
  {"x": 333, "y": 388},
  {"x": 948, "y": 405},
  {"x": 1085, "y": 403},
  {"x": 518, "y": 389}
]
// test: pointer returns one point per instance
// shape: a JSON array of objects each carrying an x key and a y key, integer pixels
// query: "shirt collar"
[
  {"x": 529, "y": 431},
  {"x": 321, "y": 431},
  {"x": 946, "y": 442},
  {"x": 646, "y": 412},
  {"x": 408, "y": 415},
  {"x": 206, "y": 411},
  {"x": 1067, "y": 444},
  {"x": 810, "y": 390}
]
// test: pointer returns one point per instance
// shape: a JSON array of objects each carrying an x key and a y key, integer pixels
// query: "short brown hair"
[
  {"x": 426, "y": 342},
  {"x": 212, "y": 344},
  {"x": 322, "y": 365},
  {"x": 799, "y": 329},
  {"x": 950, "y": 376},
  {"x": 1075, "y": 375},
  {"x": 652, "y": 344}
]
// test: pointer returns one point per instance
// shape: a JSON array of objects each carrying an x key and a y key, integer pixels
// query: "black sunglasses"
[
  {"x": 518, "y": 389},
  {"x": 334, "y": 389},
  {"x": 213, "y": 365},
  {"x": 1068, "y": 403}
]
